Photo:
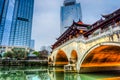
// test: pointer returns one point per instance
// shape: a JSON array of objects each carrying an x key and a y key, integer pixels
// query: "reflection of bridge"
[
  {"x": 55, "y": 75},
  {"x": 88, "y": 48}
]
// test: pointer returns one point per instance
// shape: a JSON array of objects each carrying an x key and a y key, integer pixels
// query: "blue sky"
[{"x": 46, "y": 18}]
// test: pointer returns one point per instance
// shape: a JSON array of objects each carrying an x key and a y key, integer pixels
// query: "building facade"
[
  {"x": 20, "y": 34},
  {"x": 71, "y": 10},
  {"x": 32, "y": 44},
  {"x": 8, "y": 22},
  {"x": 3, "y": 12},
  {"x": 18, "y": 23}
]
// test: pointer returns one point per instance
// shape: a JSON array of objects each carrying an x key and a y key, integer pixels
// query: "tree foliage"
[
  {"x": 36, "y": 53},
  {"x": 18, "y": 54},
  {"x": 9, "y": 54}
]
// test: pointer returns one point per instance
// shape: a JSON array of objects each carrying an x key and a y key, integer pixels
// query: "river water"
[{"x": 44, "y": 73}]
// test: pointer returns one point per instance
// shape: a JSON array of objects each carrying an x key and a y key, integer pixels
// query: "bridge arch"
[
  {"x": 101, "y": 55},
  {"x": 74, "y": 57},
  {"x": 61, "y": 58}
]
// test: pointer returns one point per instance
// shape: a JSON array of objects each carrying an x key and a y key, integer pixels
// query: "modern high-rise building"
[
  {"x": 70, "y": 11},
  {"x": 8, "y": 22},
  {"x": 21, "y": 28},
  {"x": 18, "y": 23},
  {"x": 3, "y": 12},
  {"x": 32, "y": 44}
]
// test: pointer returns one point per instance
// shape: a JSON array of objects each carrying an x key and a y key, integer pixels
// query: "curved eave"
[{"x": 83, "y": 25}]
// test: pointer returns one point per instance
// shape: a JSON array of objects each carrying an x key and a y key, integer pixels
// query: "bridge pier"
[{"x": 70, "y": 68}]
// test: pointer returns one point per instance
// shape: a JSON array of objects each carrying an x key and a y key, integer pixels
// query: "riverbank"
[{"x": 9, "y": 62}]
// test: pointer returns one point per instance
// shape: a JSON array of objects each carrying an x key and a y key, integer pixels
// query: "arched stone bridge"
[
  {"x": 99, "y": 52},
  {"x": 78, "y": 49}
]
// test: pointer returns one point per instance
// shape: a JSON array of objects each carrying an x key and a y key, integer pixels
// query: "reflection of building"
[
  {"x": 24, "y": 73},
  {"x": 69, "y": 12},
  {"x": 16, "y": 23}
]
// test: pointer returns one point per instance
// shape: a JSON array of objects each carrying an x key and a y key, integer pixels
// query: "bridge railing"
[
  {"x": 103, "y": 34},
  {"x": 66, "y": 43}
]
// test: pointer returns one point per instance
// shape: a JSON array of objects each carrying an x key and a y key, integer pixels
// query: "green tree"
[
  {"x": 20, "y": 53},
  {"x": 9, "y": 54},
  {"x": 36, "y": 53}
]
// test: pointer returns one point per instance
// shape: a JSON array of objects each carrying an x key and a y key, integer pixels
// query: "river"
[{"x": 44, "y": 73}]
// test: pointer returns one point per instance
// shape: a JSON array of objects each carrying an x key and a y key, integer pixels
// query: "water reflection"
[{"x": 43, "y": 73}]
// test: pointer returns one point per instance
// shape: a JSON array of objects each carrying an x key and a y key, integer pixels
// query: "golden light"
[
  {"x": 81, "y": 31},
  {"x": 74, "y": 55},
  {"x": 61, "y": 58},
  {"x": 103, "y": 56}
]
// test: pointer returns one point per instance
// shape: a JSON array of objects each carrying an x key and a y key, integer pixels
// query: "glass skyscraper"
[
  {"x": 32, "y": 44},
  {"x": 18, "y": 24},
  {"x": 8, "y": 22},
  {"x": 3, "y": 12},
  {"x": 71, "y": 10}
]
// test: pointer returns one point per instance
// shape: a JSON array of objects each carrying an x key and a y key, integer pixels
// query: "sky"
[{"x": 46, "y": 17}]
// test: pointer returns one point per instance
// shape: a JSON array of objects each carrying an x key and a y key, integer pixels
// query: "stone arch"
[
  {"x": 61, "y": 58},
  {"x": 100, "y": 56},
  {"x": 74, "y": 57}
]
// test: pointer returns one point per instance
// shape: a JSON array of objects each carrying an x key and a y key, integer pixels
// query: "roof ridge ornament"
[{"x": 74, "y": 22}]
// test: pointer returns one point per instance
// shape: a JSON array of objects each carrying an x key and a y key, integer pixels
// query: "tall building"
[
  {"x": 18, "y": 24},
  {"x": 8, "y": 22},
  {"x": 3, "y": 12},
  {"x": 71, "y": 10},
  {"x": 32, "y": 44}
]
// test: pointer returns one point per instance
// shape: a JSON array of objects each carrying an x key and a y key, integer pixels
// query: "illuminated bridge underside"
[
  {"x": 102, "y": 58},
  {"x": 61, "y": 59}
]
